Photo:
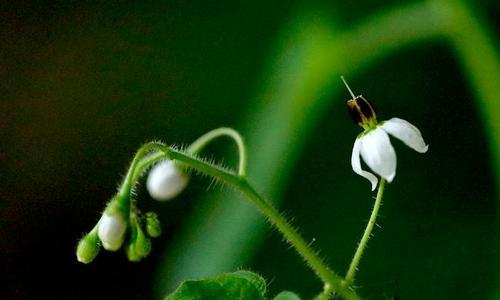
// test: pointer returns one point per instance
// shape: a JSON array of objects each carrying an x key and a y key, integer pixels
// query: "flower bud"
[
  {"x": 140, "y": 245},
  {"x": 166, "y": 181},
  {"x": 88, "y": 248},
  {"x": 111, "y": 231},
  {"x": 153, "y": 227}
]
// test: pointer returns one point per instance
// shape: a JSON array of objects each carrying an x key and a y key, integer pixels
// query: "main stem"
[
  {"x": 294, "y": 238},
  {"x": 328, "y": 277},
  {"x": 349, "y": 278}
]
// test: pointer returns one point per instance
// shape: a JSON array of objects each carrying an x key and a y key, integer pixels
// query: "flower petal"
[
  {"x": 378, "y": 153},
  {"x": 356, "y": 165},
  {"x": 407, "y": 133}
]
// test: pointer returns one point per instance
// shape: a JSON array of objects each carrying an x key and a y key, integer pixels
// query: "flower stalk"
[
  {"x": 208, "y": 137},
  {"x": 159, "y": 151},
  {"x": 353, "y": 267},
  {"x": 151, "y": 153},
  {"x": 122, "y": 219},
  {"x": 274, "y": 217}
]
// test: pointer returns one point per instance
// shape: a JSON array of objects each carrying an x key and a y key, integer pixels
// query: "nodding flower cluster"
[
  {"x": 373, "y": 143},
  {"x": 122, "y": 222}
]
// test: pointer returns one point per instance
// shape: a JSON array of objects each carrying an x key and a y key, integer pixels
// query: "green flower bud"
[
  {"x": 139, "y": 246},
  {"x": 88, "y": 248},
  {"x": 153, "y": 227}
]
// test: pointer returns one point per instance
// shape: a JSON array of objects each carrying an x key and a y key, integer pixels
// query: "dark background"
[{"x": 84, "y": 84}]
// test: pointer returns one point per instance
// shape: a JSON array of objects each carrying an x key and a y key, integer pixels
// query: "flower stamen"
[{"x": 361, "y": 110}]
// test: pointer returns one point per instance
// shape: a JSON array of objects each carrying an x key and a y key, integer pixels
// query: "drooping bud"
[
  {"x": 88, "y": 248},
  {"x": 139, "y": 246},
  {"x": 112, "y": 227},
  {"x": 153, "y": 227},
  {"x": 166, "y": 181}
]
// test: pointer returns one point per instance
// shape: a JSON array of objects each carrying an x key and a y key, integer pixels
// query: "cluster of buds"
[{"x": 122, "y": 222}]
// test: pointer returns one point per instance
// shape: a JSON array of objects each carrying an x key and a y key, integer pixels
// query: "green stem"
[
  {"x": 131, "y": 176},
  {"x": 329, "y": 277},
  {"x": 202, "y": 141},
  {"x": 146, "y": 162},
  {"x": 289, "y": 106},
  {"x": 292, "y": 101},
  {"x": 141, "y": 161},
  {"x": 325, "y": 294},
  {"x": 294, "y": 238},
  {"x": 349, "y": 278}
]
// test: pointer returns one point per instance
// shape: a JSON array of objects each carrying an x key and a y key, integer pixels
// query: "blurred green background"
[{"x": 85, "y": 83}]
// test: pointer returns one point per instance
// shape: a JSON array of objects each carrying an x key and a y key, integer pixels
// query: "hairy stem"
[
  {"x": 285, "y": 113},
  {"x": 328, "y": 277},
  {"x": 325, "y": 294},
  {"x": 349, "y": 278},
  {"x": 294, "y": 238},
  {"x": 202, "y": 141}
]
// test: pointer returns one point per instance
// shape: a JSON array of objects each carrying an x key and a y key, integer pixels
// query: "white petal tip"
[
  {"x": 423, "y": 149},
  {"x": 390, "y": 178},
  {"x": 407, "y": 133}
]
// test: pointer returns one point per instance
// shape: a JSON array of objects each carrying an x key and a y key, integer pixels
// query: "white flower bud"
[
  {"x": 166, "y": 181},
  {"x": 112, "y": 231}
]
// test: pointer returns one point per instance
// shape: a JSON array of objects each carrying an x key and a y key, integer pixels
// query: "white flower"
[
  {"x": 377, "y": 151},
  {"x": 111, "y": 231},
  {"x": 374, "y": 144},
  {"x": 166, "y": 181}
]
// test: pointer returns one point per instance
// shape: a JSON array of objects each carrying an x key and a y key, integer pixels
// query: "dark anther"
[
  {"x": 354, "y": 111},
  {"x": 366, "y": 107}
]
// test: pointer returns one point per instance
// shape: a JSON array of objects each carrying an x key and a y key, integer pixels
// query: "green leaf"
[
  {"x": 286, "y": 295},
  {"x": 229, "y": 286},
  {"x": 257, "y": 280}
]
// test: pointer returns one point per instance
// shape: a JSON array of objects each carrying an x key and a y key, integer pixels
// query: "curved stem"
[
  {"x": 329, "y": 277},
  {"x": 202, "y": 141},
  {"x": 131, "y": 176},
  {"x": 141, "y": 162},
  {"x": 146, "y": 162},
  {"x": 349, "y": 278},
  {"x": 289, "y": 107}
]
